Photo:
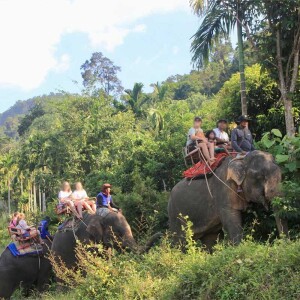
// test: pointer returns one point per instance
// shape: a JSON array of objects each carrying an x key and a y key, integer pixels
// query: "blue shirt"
[
  {"x": 43, "y": 228},
  {"x": 103, "y": 200}
]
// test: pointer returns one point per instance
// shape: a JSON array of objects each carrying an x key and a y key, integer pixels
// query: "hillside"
[
  {"x": 10, "y": 119},
  {"x": 21, "y": 107}
]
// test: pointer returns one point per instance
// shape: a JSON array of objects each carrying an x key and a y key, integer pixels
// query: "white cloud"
[{"x": 31, "y": 30}]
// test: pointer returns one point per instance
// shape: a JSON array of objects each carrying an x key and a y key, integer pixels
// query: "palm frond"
[
  {"x": 137, "y": 90},
  {"x": 198, "y": 6},
  {"x": 217, "y": 23}
]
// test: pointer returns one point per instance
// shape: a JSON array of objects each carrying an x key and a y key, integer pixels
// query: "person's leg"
[
  {"x": 86, "y": 205},
  {"x": 78, "y": 206},
  {"x": 36, "y": 235},
  {"x": 33, "y": 232},
  {"x": 92, "y": 204},
  {"x": 225, "y": 147},
  {"x": 211, "y": 148},
  {"x": 204, "y": 150},
  {"x": 71, "y": 204}
]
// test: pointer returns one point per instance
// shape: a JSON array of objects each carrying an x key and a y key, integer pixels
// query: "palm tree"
[
  {"x": 159, "y": 92},
  {"x": 156, "y": 119},
  {"x": 135, "y": 99},
  {"x": 220, "y": 18},
  {"x": 8, "y": 170}
]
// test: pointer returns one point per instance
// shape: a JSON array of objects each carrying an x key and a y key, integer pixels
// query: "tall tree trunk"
[
  {"x": 44, "y": 201},
  {"x": 287, "y": 102},
  {"x": 30, "y": 197},
  {"x": 241, "y": 62},
  {"x": 22, "y": 189},
  {"x": 40, "y": 199},
  {"x": 34, "y": 197},
  {"x": 289, "y": 120},
  {"x": 8, "y": 196}
]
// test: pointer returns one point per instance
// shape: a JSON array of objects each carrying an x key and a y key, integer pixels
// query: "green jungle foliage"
[
  {"x": 249, "y": 271},
  {"x": 134, "y": 141}
]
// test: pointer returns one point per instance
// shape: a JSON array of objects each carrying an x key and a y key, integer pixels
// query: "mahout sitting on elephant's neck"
[{"x": 259, "y": 177}]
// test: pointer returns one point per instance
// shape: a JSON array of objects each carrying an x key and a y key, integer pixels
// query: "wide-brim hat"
[{"x": 242, "y": 118}]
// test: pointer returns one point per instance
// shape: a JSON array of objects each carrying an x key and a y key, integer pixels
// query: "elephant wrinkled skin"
[
  {"x": 257, "y": 174},
  {"x": 27, "y": 271},
  {"x": 111, "y": 231}
]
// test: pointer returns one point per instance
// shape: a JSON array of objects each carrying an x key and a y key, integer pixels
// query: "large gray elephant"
[
  {"x": 112, "y": 231},
  {"x": 26, "y": 272},
  {"x": 258, "y": 176}
]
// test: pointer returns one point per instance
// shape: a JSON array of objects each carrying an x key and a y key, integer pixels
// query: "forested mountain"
[
  {"x": 21, "y": 107},
  {"x": 10, "y": 119}
]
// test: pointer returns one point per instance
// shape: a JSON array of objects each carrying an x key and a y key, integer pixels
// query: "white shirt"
[
  {"x": 221, "y": 134},
  {"x": 23, "y": 226},
  {"x": 192, "y": 131},
  {"x": 63, "y": 195},
  {"x": 78, "y": 195}
]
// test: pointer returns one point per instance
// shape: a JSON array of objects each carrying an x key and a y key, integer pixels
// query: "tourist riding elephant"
[
  {"x": 29, "y": 272},
  {"x": 258, "y": 177},
  {"x": 112, "y": 231}
]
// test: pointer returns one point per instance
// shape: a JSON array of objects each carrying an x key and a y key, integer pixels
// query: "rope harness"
[
  {"x": 214, "y": 174},
  {"x": 73, "y": 229}
]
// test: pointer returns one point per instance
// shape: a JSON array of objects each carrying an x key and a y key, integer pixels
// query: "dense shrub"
[{"x": 249, "y": 271}]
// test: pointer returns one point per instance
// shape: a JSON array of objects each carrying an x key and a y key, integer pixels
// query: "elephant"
[
  {"x": 214, "y": 204},
  {"x": 112, "y": 230},
  {"x": 27, "y": 271}
]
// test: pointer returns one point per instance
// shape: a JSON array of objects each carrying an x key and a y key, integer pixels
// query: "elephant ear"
[
  {"x": 236, "y": 171},
  {"x": 95, "y": 230}
]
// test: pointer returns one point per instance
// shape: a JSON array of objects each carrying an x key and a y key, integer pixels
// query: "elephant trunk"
[
  {"x": 150, "y": 243},
  {"x": 129, "y": 242}
]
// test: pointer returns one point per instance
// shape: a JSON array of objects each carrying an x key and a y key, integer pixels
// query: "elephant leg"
[
  {"x": 177, "y": 235},
  {"x": 43, "y": 282},
  {"x": 232, "y": 223},
  {"x": 282, "y": 226},
  {"x": 210, "y": 239}
]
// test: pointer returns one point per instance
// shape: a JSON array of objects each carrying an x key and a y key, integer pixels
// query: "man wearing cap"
[
  {"x": 104, "y": 199},
  {"x": 241, "y": 137},
  {"x": 221, "y": 135}
]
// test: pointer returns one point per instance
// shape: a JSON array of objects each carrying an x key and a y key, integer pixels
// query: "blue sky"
[{"x": 46, "y": 53}]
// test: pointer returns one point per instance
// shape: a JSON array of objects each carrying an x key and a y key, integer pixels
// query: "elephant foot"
[{"x": 210, "y": 240}]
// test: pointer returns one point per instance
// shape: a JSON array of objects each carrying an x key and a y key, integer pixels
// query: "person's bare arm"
[
  {"x": 194, "y": 137},
  {"x": 198, "y": 138}
]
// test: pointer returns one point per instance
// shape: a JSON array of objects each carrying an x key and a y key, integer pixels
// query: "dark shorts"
[
  {"x": 192, "y": 146},
  {"x": 26, "y": 234}
]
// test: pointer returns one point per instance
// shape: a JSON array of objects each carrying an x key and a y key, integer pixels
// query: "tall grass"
[{"x": 249, "y": 271}]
